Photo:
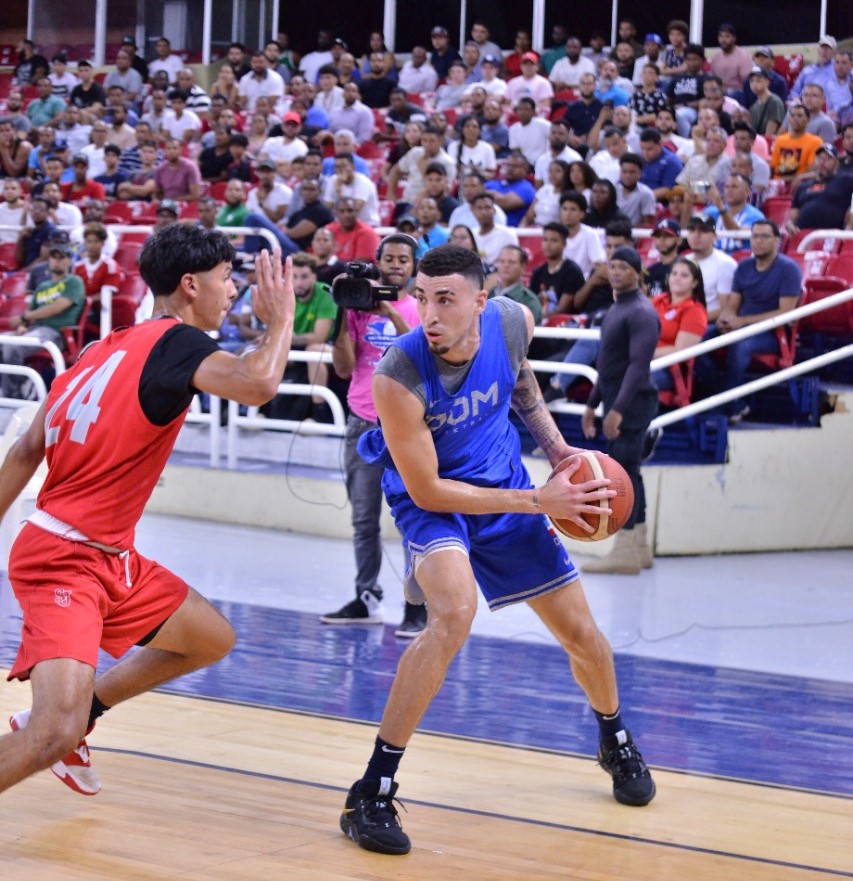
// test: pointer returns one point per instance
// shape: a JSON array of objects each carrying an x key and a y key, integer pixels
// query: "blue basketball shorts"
[{"x": 515, "y": 557}]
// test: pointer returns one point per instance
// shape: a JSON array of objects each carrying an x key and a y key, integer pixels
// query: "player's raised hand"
[{"x": 273, "y": 299}]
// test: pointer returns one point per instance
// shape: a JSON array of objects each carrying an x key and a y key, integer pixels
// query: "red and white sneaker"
[{"x": 74, "y": 770}]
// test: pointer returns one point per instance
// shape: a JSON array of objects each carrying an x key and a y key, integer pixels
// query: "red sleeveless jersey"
[{"x": 104, "y": 456}]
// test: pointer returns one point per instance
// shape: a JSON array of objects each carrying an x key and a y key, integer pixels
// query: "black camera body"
[{"x": 357, "y": 291}]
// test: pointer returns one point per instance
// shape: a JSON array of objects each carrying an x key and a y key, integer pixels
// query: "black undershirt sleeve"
[{"x": 165, "y": 388}]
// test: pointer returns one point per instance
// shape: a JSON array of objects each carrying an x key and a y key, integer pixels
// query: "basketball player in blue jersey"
[{"x": 470, "y": 515}]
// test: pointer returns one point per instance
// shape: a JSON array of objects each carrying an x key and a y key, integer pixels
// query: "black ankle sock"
[
  {"x": 384, "y": 762},
  {"x": 98, "y": 710},
  {"x": 609, "y": 726}
]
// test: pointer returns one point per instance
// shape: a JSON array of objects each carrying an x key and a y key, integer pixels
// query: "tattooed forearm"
[{"x": 527, "y": 402}]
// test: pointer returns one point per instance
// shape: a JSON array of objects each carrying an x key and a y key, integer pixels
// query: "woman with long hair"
[
  {"x": 225, "y": 84},
  {"x": 545, "y": 207},
  {"x": 682, "y": 312},
  {"x": 376, "y": 43},
  {"x": 461, "y": 235},
  {"x": 411, "y": 138},
  {"x": 471, "y": 153},
  {"x": 582, "y": 177}
]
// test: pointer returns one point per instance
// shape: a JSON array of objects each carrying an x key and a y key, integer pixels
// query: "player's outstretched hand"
[
  {"x": 565, "y": 500},
  {"x": 273, "y": 300}
]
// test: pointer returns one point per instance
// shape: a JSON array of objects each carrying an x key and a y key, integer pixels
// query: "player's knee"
[
  {"x": 452, "y": 625},
  {"x": 220, "y": 642},
  {"x": 53, "y": 740},
  {"x": 585, "y": 640}
]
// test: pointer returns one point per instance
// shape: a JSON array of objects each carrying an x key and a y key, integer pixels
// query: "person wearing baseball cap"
[
  {"x": 821, "y": 70},
  {"x": 653, "y": 47},
  {"x": 56, "y": 302},
  {"x": 768, "y": 110},
  {"x": 822, "y": 203},
  {"x": 667, "y": 241},
  {"x": 732, "y": 64},
  {"x": 763, "y": 57},
  {"x": 530, "y": 84},
  {"x": 443, "y": 54},
  {"x": 629, "y": 335}
]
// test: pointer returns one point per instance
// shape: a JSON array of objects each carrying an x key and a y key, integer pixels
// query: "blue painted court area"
[{"x": 771, "y": 729}]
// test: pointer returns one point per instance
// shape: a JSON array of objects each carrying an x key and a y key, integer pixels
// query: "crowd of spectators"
[{"x": 583, "y": 142}]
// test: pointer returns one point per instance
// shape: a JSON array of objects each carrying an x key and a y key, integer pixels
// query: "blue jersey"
[{"x": 473, "y": 436}]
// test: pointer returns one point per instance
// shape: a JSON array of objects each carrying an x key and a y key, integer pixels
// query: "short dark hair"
[
  {"x": 631, "y": 159},
  {"x": 522, "y": 254},
  {"x": 435, "y": 168},
  {"x": 347, "y": 156},
  {"x": 398, "y": 238},
  {"x": 180, "y": 94},
  {"x": 744, "y": 127},
  {"x": 238, "y": 139},
  {"x": 302, "y": 259},
  {"x": 327, "y": 68},
  {"x": 179, "y": 249},
  {"x": 651, "y": 134},
  {"x": 112, "y": 148},
  {"x": 620, "y": 228},
  {"x": 558, "y": 228},
  {"x": 769, "y": 223},
  {"x": 453, "y": 260},
  {"x": 575, "y": 198},
  {"x": 485, "y": 195},
  {"x": 526, "y": 100},
  {"x": 694, "y": 49},
  {"x": 93, "y": 228}
]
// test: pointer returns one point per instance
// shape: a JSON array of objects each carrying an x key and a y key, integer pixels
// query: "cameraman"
[{"x": 361, "y": 342}]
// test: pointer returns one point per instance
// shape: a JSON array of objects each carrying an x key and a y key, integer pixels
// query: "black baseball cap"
[
  {"x": 667, "y": 227},
  {"x": 699, "y": 221}
]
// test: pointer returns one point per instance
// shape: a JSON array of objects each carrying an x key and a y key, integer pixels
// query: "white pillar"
[
  {"x": 697, "y": 20},
  {"x": 614, "y": 23},
  {"x": 276, "y": 13},
  {"x": 206, "y": 30},
  {"x": 463, "y": 15},
  {"x": 100, "y": 33},
  {"x": 389, "y": 23},
  {"x": 538, "y": 26},
  {"x": 822, "y": 28}
]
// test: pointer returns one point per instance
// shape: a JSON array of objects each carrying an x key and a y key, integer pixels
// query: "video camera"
[{"x": 356, "y": 291}]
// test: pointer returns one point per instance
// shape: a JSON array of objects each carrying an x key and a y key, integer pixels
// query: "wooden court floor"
[{"x": 208, "y": 790}]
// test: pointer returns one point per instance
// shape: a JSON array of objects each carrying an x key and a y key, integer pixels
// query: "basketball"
[{"x": 595, "y": 466}]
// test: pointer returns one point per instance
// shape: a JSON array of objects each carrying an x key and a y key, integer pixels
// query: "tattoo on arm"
[{"x": 528, "y": 404}]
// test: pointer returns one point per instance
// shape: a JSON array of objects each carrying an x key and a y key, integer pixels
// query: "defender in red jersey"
[{"x": 107, "y": 428}]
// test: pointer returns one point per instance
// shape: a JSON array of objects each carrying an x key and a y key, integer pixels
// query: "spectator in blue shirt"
[
  {"x": 764, "y": 286},
  {"x": 513, "y": 191},
  {"x": 661, "y": 167},
  {"x": 732, "y": 211}
]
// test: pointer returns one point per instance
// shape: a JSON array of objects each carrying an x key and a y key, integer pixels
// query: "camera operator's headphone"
[{"x": 400, "y": 238}]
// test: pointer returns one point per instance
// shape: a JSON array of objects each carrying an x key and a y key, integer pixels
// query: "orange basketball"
[{"x": 595, "y": 466}]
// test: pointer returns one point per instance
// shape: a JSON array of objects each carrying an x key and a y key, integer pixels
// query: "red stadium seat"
[
  {"x": 217, "y": 190},
  {"x": 14, "y": 284},
  {"x": 787, "y": 339},
  {"x": 124, "y": 311},
  {"x": 842, "y": 265},
  {"x": 8, "y": 263},
  {"x": 837, "y": 321},
  {"x": 133, "y": 288},
  {"x": 386, "y": 212},
  {"x": 370, "y": 150},
  {"x": 742, "y": 254},
  {"x": 75, "y": 335},
  {"x": 11, "y": 307},
  {"x": 127, "y": 256},
  {"x": 776, "y": 208},
  {"x": 682, "y": 391}
]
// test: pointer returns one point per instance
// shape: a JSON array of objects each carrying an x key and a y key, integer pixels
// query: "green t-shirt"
[
  {"x": 70, "y": 287},
  {"x": 321, "y": 305},
  {"x": 232, "y": 215},
  {"x": 522, "y": 295}
]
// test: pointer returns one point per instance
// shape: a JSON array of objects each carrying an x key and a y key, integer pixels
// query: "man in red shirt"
[
  {"x": 82, "y": 188},
  {"x": 97, "y": 271},
  {"x": 108, "y": 427},
  {"x": 355, "y": 239}
]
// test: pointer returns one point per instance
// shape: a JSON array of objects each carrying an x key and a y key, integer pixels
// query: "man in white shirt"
[
  {"x": 166, "y": 61},
  {"x": 330, "y": 96},
  {"x": 354, "y": 116},
  {"x": 471, "y": 185},
  {"x": 635, "y": 200},
  {"x": 490, "y": 237},
  {"x": 346, "y": 182},
  {"x": 61, "y": 213},
  {"x": 717, "y": 268},
  {"x": 417, "y": 74},
  {"x": 180, "y": 123},
  {"x": 61, "y": 79},
  {"x": 412, "y": 166},
  {"x": 531, "y": 133},
  {"x": 558, "y": 142},
  {"x": 95, "y": 151},
  {"x": 261, "y": 81},
  {"x": 284, "y": 149},
  {"x": 605, "y": 163},
  {"x": 313, "y": 61},
  {"x": 72, "y": 131},
  {"x": 567, "y": 72},
  {"x": 583, "y": 244},
  {"x": 269, "y": 197},
  {"x": 490, "y": 67},
  {"x": 530, "y": 84},
  {"x": 653, "y": 45},
  {"x": 158, "y": 114},
  {"x": 13, "y": 210}
]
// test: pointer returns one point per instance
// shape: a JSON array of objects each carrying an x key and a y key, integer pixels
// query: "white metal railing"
[
  {"x": 28, "y": 373},
  {"x": 822, "y": 235},
  {"x": 10, "y": 339}
]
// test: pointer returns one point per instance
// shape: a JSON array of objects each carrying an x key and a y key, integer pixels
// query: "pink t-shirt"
[
  {"x": 175, "y": 182},
  {"x": 372, "y": 335}
]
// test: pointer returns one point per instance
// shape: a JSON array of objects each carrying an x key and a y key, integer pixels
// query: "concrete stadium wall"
[{"x": 781, "y": 489}]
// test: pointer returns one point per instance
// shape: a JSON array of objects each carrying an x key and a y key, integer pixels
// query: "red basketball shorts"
[{"x": 76, "y": 598}]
